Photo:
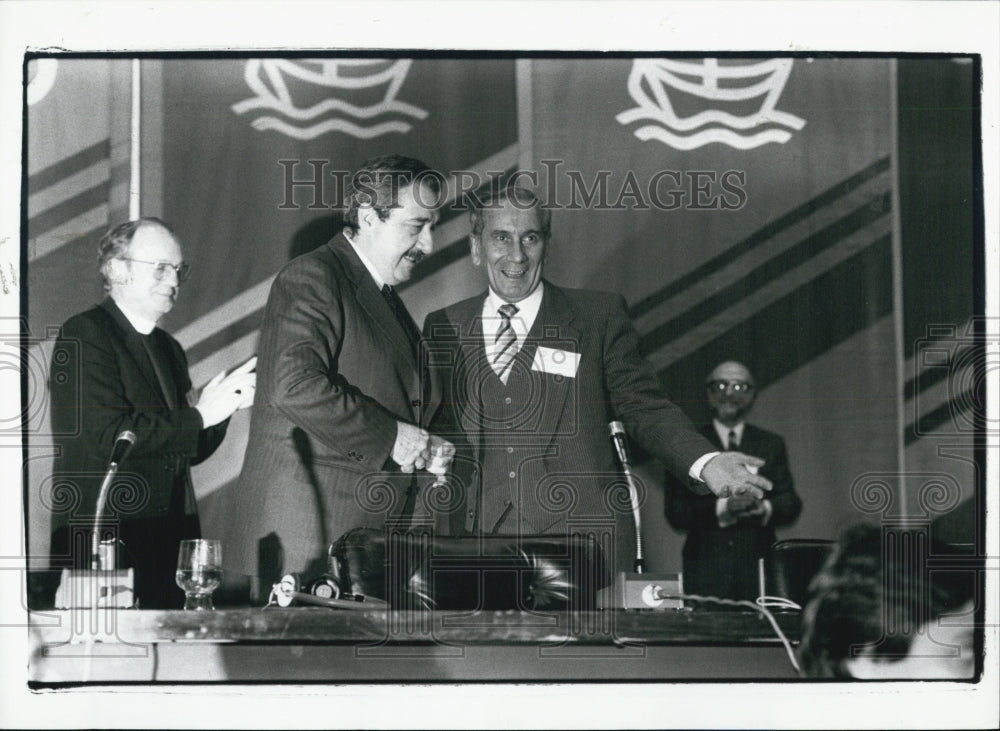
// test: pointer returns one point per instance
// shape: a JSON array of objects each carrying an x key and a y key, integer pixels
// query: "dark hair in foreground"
[
  {"x": 872, "y": 595},
  {"x": 116, "y": 243},
  {"x": 377, "y": 183},
  {"x": 520, "y": 198}
]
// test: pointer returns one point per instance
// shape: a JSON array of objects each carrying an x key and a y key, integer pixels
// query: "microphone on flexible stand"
[
  {"x": 123, "y": 444},
  {"x": 637, "y": 590},
  {"x": 617, "y": 430},
  {"x": 103, "y": 585}
]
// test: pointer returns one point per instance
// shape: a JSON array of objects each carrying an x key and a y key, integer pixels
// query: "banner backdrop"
[
  {"x": 747, "y": 216},
  {"x": 743, "y": 207}
]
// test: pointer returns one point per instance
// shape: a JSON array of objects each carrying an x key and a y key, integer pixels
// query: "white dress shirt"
[
  {"x": 379, "y": 282},
  {"x": 527, "y": 312}
]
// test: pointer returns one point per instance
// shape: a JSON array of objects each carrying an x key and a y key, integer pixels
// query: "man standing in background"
[
  {"x": 125, "y": 373},
  {"x": 727, "y": 535}
]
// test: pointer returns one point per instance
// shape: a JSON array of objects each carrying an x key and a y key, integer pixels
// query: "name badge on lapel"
[{"x": 556, "y": 362}]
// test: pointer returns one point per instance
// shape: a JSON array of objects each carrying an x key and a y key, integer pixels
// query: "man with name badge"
[{"x": 532, "y": 375}]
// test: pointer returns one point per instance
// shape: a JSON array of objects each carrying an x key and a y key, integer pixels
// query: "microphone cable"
[{"x": 660, "y": 594}]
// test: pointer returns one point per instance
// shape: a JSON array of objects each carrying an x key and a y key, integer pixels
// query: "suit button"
[
  {"x": 512, "y": 475},
  {"x": 510, "y": 450},
  {"x": 507, "y": 400},
  {"x": 415, "y": 402}
]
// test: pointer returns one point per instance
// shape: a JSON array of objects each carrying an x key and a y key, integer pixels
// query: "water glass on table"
[{"x": 199, "y": 571}]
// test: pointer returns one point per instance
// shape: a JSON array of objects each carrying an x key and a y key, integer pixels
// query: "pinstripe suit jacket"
[
  {"x": 566, "y": 480},
  {"x": 335, "y": 371}
]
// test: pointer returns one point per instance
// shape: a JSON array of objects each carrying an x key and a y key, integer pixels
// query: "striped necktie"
[{"x": 506, "y": 342}]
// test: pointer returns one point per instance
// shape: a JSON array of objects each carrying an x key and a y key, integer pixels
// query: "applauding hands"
[{"x": 224, "y": 395}]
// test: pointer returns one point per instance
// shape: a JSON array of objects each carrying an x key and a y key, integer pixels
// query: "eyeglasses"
[
  {"x": 737, "y": 386},
  {"x": 183, "y": 270}
]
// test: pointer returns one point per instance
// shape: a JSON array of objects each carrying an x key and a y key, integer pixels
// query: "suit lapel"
[
  {"x": 135, "y": 349},
  {"x": 552, "y": 328},
  {"x": 470, "y": 360},
  {"x": 371, "y": 301},
  {"x": 713, "y": 436},
  {"x": 751, "y": 443}
]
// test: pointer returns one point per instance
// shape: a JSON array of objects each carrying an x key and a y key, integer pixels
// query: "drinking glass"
[
  {"x": 199, "y": 571},
  {"x": 442, "y": 452}
]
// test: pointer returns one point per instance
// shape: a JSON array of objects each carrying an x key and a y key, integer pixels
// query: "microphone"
[
  {"x": 123, "y": 444},
  {"x": 617, "y": 431}
]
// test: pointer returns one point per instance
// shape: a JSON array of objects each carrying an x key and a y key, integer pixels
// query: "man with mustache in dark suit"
[{"x": 338, "y": 423}]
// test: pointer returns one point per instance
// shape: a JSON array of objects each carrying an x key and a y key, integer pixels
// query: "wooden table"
[{"x": 301, "y": 645}]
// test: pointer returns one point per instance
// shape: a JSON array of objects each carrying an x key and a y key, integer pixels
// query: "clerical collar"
[
  {"x": 379, "y": 282},
  {"x": 142, "y": 325},
  {"x": 527, "y": 309},
  {"x": 723, "y": 431}
]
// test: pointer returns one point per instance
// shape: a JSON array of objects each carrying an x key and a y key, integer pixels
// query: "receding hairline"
[
  {"x": 713, "y": 376},
  {"x": 521, "y": 199}
]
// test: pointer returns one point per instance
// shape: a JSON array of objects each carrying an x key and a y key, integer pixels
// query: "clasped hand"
[
  {"x": 416, "y": 448},
  {"x": 745, "y": 506}
]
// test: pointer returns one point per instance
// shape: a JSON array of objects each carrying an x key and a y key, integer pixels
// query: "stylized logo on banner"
[
  {"x": 41, "y": 77},
  {"x": 301, "y": 93},
  {"x": 694, "y": 103}
]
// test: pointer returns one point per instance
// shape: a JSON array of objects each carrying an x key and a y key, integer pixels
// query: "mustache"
[{"x": 415, "y": 255}]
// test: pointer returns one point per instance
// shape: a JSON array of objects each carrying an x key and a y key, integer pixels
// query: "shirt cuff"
[
  {"x": 699, "y": 464},
  {"x": 722, "y": 512}
]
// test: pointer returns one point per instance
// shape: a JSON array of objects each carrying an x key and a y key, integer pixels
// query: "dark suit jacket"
[
  {"x": 335, "y": 372},
  {"x": 103, "y": 382},
  {"x": 571, "y": 469},
  {"x": 722, "y": 562}
]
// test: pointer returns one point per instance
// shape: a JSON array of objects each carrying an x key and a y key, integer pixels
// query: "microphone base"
[
  {"x": 639, "y": 591},
  {"x": 88, "y": 589}
]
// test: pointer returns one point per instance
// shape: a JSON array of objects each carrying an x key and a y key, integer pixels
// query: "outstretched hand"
[{"x": 729, "y": 473}]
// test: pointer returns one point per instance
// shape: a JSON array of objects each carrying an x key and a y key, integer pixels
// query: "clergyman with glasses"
[
  {"x": 114, "y": 370},
  {"x": 726, "y": 535}
]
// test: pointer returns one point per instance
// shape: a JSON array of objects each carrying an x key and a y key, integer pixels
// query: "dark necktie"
[
  {"x": 412, "y": 333},
  {"x": 402, "y": 316},
  {"x": 732, "y": 445},
  {"x": 505, "y": 342}
]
